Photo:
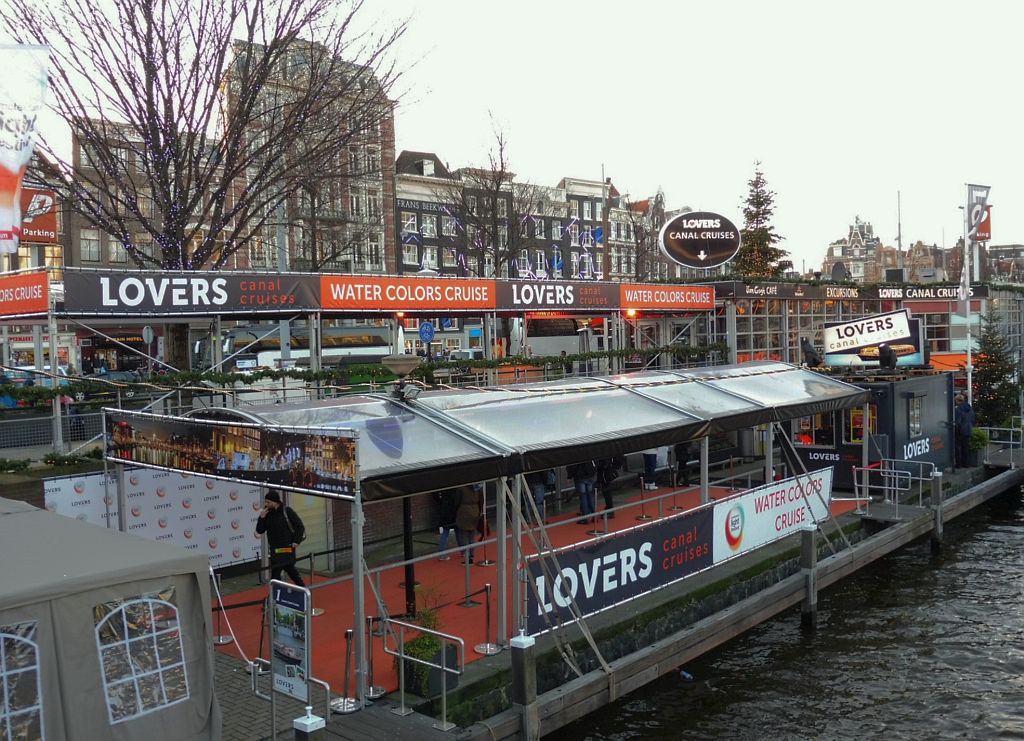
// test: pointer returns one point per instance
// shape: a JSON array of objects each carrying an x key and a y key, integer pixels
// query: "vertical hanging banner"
[
  {"x": 22, "y": 94},
  {"x": 977, "y": 207}
]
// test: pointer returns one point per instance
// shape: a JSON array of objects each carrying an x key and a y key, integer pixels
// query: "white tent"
[{"x": 103, "y": 635}]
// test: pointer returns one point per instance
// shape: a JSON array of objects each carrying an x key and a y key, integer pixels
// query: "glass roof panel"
[
  {"x": 525, "y": 421},
  {"x": 391, "y": 438},
  {"x": 793, "y": 386}
]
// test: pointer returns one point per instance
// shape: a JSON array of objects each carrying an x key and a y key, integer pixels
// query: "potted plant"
[
  {"x": 420, "y": 679},
  {"x": 979, "y": 441}
]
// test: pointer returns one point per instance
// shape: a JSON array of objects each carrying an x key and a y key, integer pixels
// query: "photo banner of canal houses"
[
  {"x": 604, "y": 573},
  {"x": 291, "y": 459},
  {"x": 857, "y": 343},
  {"x": 290, "y": 639}
]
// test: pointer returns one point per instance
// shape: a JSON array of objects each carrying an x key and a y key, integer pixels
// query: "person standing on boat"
[
  {"x": 467, "y": 518},
  {"x": 284, "y": 531}
]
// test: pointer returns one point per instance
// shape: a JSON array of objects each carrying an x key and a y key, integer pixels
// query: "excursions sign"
[
  {"x": 700, "y": 239},
  {"x": 318, "y": 462},
  {"x": 187, "y": 292}
]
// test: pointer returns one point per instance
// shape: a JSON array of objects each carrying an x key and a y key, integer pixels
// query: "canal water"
[{"x": 915, "y": 646}]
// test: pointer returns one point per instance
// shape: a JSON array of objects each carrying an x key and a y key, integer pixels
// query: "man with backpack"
[{"x": 284, "y": 531}]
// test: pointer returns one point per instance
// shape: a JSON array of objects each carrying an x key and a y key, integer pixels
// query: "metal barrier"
[
  {"x": 399, "y": 653},
  {"x": 889, "y": 480},
  {"x": 1005, "y": 447}
]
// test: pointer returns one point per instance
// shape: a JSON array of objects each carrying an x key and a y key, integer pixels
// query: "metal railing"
[
  {"x": 399, "y": 652},
  {"x": 1004, "y": 448},
  {"x": 889, "y": 481}
]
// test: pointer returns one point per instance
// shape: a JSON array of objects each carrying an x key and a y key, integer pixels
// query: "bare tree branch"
[{"x": 196, "y": 118}]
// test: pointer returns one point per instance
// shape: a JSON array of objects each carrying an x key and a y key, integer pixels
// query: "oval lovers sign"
[{"x": 700, "y": 239}]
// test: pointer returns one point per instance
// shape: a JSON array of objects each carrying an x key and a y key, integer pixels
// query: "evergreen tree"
[
  {"x": 758, "y": 256},
  {"x": 996, "y": 389}
]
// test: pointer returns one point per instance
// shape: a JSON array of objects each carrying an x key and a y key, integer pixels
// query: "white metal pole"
[{"x": 966, "y": 280}]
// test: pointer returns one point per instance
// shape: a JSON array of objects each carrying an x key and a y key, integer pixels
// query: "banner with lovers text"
[
  {"x": 621, "y": 567},
  {"x": 215, "y": 518},
  {"x": 766, "y": 514}
]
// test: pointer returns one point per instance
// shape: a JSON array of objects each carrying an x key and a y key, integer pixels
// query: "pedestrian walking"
[
  {"x": 284, "y": 531},
  {"x": 566, "y": 364},
  {"x": 584, "y": 474},
  {"x": 447, "y": 501},
  {"x": 467, "y": 517},
  {"x": 963, "y": 425},
  {"x": 607, "y": 471},
  {"x": 538, "y": 482}
]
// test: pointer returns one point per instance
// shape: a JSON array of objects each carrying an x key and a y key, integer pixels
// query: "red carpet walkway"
[{"x": 441, "y": 583}]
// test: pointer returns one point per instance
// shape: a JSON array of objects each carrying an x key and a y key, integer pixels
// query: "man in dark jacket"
[
  {"x": 284, "y": 531},
  {"x": 963, "y": 424},
  {"x": 447, "y": 504}
]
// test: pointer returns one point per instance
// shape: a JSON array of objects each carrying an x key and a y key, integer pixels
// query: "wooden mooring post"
[
  {"x": 936, "y": 537},
  {"x": 809, "y": 569},
  {"x": 524, "y": 685}
]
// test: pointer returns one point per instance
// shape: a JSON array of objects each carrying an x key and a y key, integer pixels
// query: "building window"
[
  {"x": 853, "y": 427},
  {"x": 355, "y": 203},
  {"x": 448, "y": 257},
  {"x": 524, "y": 227},
  {"x": 587, "y": 237},
  {"x": 353, "y": 160},
  {"x": 574, "y": 234},
  {"x": 574, "y": 264},
  {"x": 502, "y": 207},
  {"x": 145, "y": 202},
  {"x": 373, "y": 204},
  {"x": 538, "y": 228},
  {"x": 430, "y": 257},
  {"x": 556, "y": 263},
  {"x": 429, "y": 225},
  {"x": 471, "y": 204},
  {"x": 502, "y": 236},
  {"x": 575, "y": 208},
  {"x": 586, "y": 210},
  {"x": 89, "y": 243},
  {"x": 815, "y": 430},
  {"x": 448, "y": 226},
  {"x": 117, "y": 252},
  {"x": 409, "y": 222},
  {"x": 140, "y": 649},
  {"x": 915, "y": 416},
  {"x": 372, "y": 160},
  {"x": 556, "y": 230},
  {"x": 373, "y": 252},
  {"x": 21, "y": 697},
  {"x": 540, "y": 264},
  {"x": 597, "y": 211},
  {"x": 524, "y": 261},
  {"x": 411, "y": 254}
]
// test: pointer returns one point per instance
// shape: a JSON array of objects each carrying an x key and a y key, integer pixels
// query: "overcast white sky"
[{"x": 843, "y": 103}]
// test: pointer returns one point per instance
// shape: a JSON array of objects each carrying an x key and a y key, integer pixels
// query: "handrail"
[{"x": 400, "y": 654}]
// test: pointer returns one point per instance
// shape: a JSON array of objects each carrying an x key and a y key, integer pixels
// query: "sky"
[{"x": 851, "y": 108}]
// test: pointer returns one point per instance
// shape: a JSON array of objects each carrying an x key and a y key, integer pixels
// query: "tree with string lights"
[
  {"x": 996, "y": 391},
  {"x": 758, "y": 256},
  {"x": 491, "y": 214},
  {"x": 193, "y": 120}
]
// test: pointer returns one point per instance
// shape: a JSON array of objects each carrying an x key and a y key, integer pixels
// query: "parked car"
[{"x": 105, "y": 386}]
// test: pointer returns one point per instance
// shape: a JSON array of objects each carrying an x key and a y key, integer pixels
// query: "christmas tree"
[
  {"x": 758, "y": 257},
  {"x": 996, "y": 388}
]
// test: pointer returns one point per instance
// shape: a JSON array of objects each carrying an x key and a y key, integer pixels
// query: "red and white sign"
[
  {"x": 766, "y": 514},
  {"x": 405, "y": 294},
  {"x": 984, "y": 232},
  {"x": 24, "y": 293},
  {"x": 38, "y": 215},
  {"x": 639, "y": 296}
]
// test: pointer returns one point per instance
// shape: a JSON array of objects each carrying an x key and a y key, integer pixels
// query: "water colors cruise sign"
[{"x": 700, "y": 239}]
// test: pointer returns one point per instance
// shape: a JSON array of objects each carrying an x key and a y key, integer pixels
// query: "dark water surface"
[{"x": 914, "y": 647}]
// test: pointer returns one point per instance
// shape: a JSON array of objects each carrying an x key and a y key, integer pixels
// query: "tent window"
[
  {"x": 139, "y": 642},
  {"x": 21, "y": 701}
]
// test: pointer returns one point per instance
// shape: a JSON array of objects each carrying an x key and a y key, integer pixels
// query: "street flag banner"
[
  {"x": 22, "y": 95},
  {"x": 977, "y": 205}
]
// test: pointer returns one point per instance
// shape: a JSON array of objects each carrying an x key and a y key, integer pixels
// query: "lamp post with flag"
[{"x": 974, "y": 215}]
